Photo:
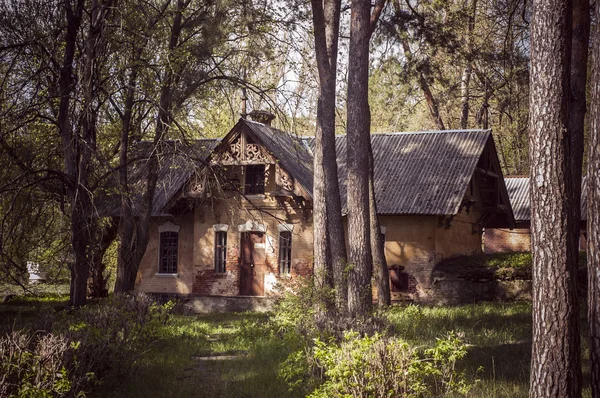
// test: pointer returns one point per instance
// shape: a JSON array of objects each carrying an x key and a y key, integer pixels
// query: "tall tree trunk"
[
  {"x": 555, "y": 363},
  {"x": 593, "y": 216},
  {"x": 98, "y": 280},
  {"x": 467, "y": 72},
  {"x": 380, "y": 268},
  {"x": 69, "y": 143},
  {"x": 358, "y": 142},
  {"x": 579, "y": 68},
  {"x": 578, "y": 81},
  {"x": 329, "y": 243},
  {"x": 135, "y": 233}
]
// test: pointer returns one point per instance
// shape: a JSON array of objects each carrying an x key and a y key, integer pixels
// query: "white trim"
[
  {"x": 163, "y": 275},
  {"x": 382, "y": 229},
  {"x": 168, "y": 227},
  {"x": 285, "y": 227},
  {"x": 250, "y": 226},
  {"x": 221, "y": 227}
]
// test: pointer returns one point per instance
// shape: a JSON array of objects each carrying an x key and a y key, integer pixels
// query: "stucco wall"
[
  {"x": 416, "y": 243},
  {"x": 196, "y": 263},
  {"x": 149, "y": 279},
  {"x": 462, "y": 238}
]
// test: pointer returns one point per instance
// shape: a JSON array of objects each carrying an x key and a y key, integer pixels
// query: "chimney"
[{"x": 263, "y": 117}]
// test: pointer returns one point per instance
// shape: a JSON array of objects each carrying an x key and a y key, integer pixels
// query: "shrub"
[
  {"x": 377, "y": 366},
  {"x": 77, "y": 348},
  {"x": 39, "y": 365}
]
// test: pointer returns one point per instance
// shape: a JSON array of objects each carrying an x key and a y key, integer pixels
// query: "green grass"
[
  {"x": 170, "y": 370},
  {"x": 498, "y": 335}
]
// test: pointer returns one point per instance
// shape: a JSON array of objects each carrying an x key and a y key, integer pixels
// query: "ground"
[{"x": 226, "y": 355}]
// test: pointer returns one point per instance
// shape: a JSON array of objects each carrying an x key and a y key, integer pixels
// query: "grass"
[{"x": 498, "y": 334}]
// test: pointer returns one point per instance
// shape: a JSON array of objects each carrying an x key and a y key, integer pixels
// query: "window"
[
  {"x": 285, "y": 252},
  {"x": 168, "y": 252},
  {"x": 255, "y": 180},
  {"x": 220, "y": 251}
]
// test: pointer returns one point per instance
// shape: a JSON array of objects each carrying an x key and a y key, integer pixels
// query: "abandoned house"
[
  {"x": 233, "y": 217},
  {"x": 501, "y": 240}
]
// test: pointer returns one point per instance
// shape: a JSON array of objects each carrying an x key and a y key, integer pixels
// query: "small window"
[
  {"x": 220, "y": 251},
  {"x": 285, "y": 252},
  {"x": 255, "y": 180},
  {"x": 168, "y": 252}
]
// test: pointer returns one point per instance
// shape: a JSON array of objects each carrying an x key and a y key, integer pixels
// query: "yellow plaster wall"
[
  {"x": 148, "y": 278},
  {"x": 460, "y": 238},
  {"x": 196, "y": 268}
]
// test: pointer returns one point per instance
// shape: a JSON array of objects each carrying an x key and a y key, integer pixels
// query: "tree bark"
[
  {"x": 555, "y": 363},
  {"x": 97, "y": 283},
  {"x": 380, "y": 268},
  {"x": 69, "y": 140},
  {"x": 329, "y": 242},
  {"x": 579, "y": 66},
  {"x": 593, "y": 216},
  {"x": 358, "y": 142},
  {"x": 134, "y": 232},
  {"x": 466, "y": 77}
]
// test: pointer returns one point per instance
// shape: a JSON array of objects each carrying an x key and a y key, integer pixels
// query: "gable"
[{"x": 255, "y": 143}]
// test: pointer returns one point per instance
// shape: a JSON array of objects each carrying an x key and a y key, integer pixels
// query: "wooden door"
[{"x": 253, "y": 264}]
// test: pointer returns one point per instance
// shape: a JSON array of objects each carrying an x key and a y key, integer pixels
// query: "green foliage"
[
  {"x": 76, "y": 350},
  {"x": 505, "y": 260},
  {"x": 378, "y": 366}
]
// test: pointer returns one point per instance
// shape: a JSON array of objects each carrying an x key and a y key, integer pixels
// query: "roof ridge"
[{"x": 424, "y": 132}]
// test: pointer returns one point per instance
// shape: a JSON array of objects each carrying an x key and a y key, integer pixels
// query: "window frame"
[
  {"x": 285, "y": 252},
  {"x": 220, "y": 251},
  {"x": 168, "y": 263},
  {"x": 254, "y": 187}
]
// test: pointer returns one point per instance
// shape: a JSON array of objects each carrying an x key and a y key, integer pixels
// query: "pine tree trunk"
[
  {"x": 358, "y": 142},
  {"x": 593, "y": 216},
  {"x": 380, "y": 268},
  {"x": 468, "y": 71},
  {"x": 322, "y": 267},
  {"x": 555, "y": 363},
  {"x": 326, "y": 32},
  {"x": 579, "y": 66}
]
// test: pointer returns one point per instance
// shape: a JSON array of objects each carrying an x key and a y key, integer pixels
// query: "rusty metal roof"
[{"x": 421, "y": 172}]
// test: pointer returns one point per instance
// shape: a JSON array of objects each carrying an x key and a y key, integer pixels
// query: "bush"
[
  {"x": 39, "y": 365},
  {"x": 377, "y": 366},
  {"x": 77, "y": 348}
]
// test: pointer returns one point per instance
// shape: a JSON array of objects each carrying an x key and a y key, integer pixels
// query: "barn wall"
[
  {"x": 461, "y": 238},
  {"x": 500, "y": 240},
  {"x": 410, "y": 243}
]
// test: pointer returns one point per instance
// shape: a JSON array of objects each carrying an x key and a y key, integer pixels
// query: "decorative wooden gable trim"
[{"x": 240, "y": 149}]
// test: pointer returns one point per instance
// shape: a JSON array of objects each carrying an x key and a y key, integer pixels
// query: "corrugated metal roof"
[
  {"x": 421, "y": 172},
  {"x": 292, "y": 153},
  {"x": 518, "y": 192},
  {"x": 177, "y": 163}
]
